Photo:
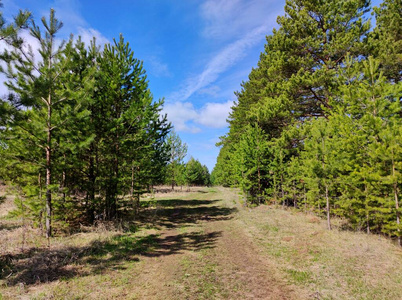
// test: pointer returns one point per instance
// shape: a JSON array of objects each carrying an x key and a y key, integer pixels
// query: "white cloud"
[
  {"x": 244, "y": 23},
  {"x": 87, "y": 36},
  {"x": 180, "y": 114},
  {"x": 3, "y": 89},
  {"x": 30, "y": 44},
  {"x": 214, "y": 114},
  {"x": 67, "y": 11},
  {"x": 183, "y": 115},
  {"x": 225, "y": 59},
  {"x": 225, "y": 19},
  {"x": 157, "y": 67},
  {"x": 212, "y": 91}
]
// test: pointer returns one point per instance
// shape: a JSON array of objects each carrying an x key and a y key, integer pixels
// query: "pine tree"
[
  {"x": 195, "y": 172},
  {"x": 251, "y": 154},
  {"x": 385, "y": 41},
  {"x": 224, "y": 172},
  {"x": 42, "y": 95},
  {"x": 9, "y": 35},
  {"x": 296, "y": 76},
  {"x": 367, "y": 111},
  {"x": 129, "y": 132}
]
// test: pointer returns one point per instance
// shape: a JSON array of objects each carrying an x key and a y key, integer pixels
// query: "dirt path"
[
  {"x": 187, "y": 246},
  {"x": 208, "y": 254}
]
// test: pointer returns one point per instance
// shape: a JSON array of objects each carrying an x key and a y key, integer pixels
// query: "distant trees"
[
  {"x": 192, "y": 173},
  {"x": 177, "y": 151},
  {"x": 317, "y": 124},
  {"x": 179, "y": 173},
  {"x": 196, "y": 173}
]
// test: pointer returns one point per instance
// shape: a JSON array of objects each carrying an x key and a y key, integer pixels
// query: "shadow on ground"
[
  {"x": 177, "y": 212},
  {"x": 176, "y": 202},
  {"x": 35, "y": 265},
  {"x": 38, "y": 265},
  {"x": 9, "y": 226}
]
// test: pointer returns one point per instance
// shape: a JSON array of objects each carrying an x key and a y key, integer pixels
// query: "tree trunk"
[
  {"x": 49, "y": 167},
  {"x": 328, "y": 208},
  {"x": 48, "y": 191},
  {"x": 395, "y": 188},
  {"x": 173, "y": 175},
  {"x": 91, "y": 196},
  {"x": 367, "y": 209},
  {"x": 132, "y": 182},
  {"x": 63, "y": 181},
  {"x": 40, "y": 201},
  {"x": 259, "y": 183},
  {"x": 282, "y": 192},
  {"x": 49, "y": 154},
  {"x": 398, "y": 222},
  {"x": 137, "y": 204},
  {"x": 111, "y": 194},
  {"x": 275, "y": 189}
]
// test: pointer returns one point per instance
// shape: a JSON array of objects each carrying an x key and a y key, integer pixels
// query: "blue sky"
[{"x": 196, "y": 53}]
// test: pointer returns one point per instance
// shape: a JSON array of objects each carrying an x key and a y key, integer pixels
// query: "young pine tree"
[{"x": 37, "y": 82}]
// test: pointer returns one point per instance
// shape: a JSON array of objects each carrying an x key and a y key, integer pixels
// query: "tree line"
[
  {"x": 81, "y": 136},
  {"x": 179, "y": 173},
  {"x": 317, "y": 125}
]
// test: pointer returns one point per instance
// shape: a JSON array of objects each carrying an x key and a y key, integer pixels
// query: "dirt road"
[{"x": 206, "y": 252}]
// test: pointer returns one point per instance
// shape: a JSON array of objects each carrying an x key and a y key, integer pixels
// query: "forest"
[
  {"x": 100, "y": 197},
  {"x": 81, "y": 137},
  {"x": 317, "y": 125}
]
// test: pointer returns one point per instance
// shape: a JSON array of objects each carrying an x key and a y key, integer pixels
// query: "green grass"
[
  {"x": 300, "y": 277},
  {"x": 200, "y": 278},
  {"x": 270, "y": 228},
  {"x": 119, "y": 247}
]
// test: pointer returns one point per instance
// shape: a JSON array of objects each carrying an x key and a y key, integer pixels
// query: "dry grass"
[
  {"x": 202, "y": 244},
  {"x": 96, "y": 258},
  {"x": 6, "y": 201},
  {"x": 328, "y": 264},
  {"x": 166, "y": 191}
]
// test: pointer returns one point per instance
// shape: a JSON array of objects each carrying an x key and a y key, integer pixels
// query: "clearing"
[{"x": 199, "y": 245}]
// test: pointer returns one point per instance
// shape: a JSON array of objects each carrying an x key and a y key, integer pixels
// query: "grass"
[
  {"x": 103, "y": 258},
  {"x": 200, "y": 245},
  {"x": 328, "y": 264},
  {"x": 300, "y": 277},
  {"x": 200, "y": 276}
]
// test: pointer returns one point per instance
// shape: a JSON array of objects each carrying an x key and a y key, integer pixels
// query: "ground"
[{"x": 202, "y": 244}]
